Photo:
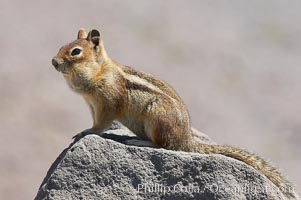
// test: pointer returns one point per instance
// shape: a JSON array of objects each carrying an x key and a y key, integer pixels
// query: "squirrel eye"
[{"x": 75, "y": 51}]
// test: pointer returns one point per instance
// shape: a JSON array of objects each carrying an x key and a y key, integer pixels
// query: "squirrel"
[{"x": 149, "y": 107}]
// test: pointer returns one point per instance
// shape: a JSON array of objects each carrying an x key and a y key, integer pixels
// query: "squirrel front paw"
[{"x": 84, "y": 133}]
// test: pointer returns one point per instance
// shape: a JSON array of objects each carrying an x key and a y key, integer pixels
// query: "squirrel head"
[{"x": 81, "y": 56}]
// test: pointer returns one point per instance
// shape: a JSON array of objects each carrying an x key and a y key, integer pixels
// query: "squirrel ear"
[
  {"x": 81, "y": 34},
  {"x": 94, "y": 37}
]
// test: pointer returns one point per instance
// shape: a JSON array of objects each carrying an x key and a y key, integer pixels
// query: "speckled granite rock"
[{"x": 108, "y": 167}]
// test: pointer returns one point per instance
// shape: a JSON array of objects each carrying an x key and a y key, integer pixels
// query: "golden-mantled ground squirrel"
[{"x": 146, "y": 105}]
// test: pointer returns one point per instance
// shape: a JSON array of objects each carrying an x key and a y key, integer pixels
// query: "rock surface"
[{"x": 108, "y": 167}]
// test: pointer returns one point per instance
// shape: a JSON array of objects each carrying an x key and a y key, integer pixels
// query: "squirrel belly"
[{"x": 145, "y": 104}]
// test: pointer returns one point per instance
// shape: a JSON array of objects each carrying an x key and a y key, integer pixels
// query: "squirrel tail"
[{"x": 250, "y": 159}]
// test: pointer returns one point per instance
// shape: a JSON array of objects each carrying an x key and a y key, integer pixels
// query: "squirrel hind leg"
[
  {"x": 166, "y": 132},
  {"x": 166, "y": 124}
]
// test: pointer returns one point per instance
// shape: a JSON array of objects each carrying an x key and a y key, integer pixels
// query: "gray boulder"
[{"x": 118, "y": 165}]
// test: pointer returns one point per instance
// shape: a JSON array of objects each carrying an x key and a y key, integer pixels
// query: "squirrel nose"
[{"x": 55, "y": 63}]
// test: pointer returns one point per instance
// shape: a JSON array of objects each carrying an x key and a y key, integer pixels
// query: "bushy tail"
[{"x": 250, "y": 159}]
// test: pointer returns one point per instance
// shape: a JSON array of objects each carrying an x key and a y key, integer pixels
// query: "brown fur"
[{"x": 146, "y": 105}]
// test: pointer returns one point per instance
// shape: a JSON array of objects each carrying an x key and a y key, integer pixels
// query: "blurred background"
[{"x": 236, "y": 64}]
